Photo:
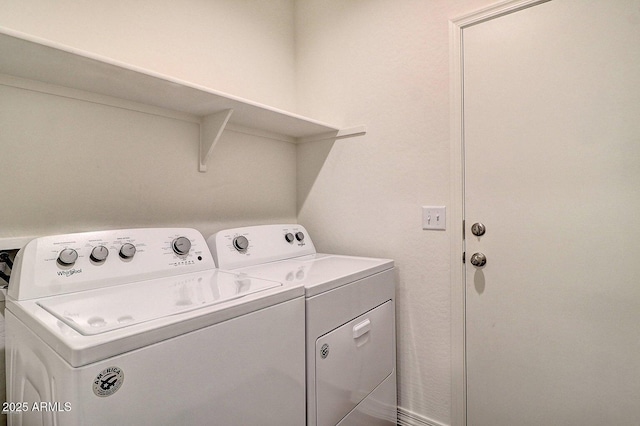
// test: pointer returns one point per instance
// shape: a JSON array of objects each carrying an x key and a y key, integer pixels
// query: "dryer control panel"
[
  {"x": 252, "y": 245},
  {"x": 67, "y": 263}
]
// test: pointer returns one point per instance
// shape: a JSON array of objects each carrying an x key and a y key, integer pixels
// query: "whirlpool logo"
[{"x": 69, "y": 272}]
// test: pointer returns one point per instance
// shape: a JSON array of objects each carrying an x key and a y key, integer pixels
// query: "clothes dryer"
[
  {"x": 133, "y": 327},
  {"x": 350, "y": 319}
]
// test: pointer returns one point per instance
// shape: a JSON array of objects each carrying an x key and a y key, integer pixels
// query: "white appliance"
[
  {"x": 134, "y": 327},
  {"x": 350, "y": 319}
]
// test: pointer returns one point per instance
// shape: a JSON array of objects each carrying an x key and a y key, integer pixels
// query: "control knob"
[
  {"x": 99, "y": 254},
  {"x": 299, "y": 236},
  {"x": 289, "y": 237},
  {"x": 127, "y": 251},
  {"x": 181, "y": 246},
  {"x": 240, "y": 243},
  {"x": 67, "y": 257}
]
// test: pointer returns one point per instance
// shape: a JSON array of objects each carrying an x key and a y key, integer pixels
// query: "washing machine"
[
  {"x": 138, "y": 327},
  {"x": 350, "y": 319}
]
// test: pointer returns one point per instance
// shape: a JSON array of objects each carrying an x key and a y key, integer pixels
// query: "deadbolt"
[
  {"x": 478, "y": 259},
  {"x": 478, "y": 229}
]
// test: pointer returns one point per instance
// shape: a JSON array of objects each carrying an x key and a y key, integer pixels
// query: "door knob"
[{"x": 478, "y": 259}]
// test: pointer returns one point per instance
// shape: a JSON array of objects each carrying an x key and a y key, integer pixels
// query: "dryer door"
[{"x": 351, "y": 361}]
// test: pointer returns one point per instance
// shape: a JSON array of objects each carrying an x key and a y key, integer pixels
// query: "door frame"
[{"x": 457, "y": 268}]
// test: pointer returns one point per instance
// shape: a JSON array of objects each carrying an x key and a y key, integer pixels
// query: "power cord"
[{"x": 6, "y": 259}]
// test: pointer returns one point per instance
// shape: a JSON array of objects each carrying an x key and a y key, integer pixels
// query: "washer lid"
[{"x": 106, "y": 309}]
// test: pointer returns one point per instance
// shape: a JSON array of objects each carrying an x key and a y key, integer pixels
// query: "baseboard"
[{"x": 409, "y": 418}]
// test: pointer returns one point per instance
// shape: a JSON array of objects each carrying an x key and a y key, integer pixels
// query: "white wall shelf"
[{"x": 37, "y": 64}]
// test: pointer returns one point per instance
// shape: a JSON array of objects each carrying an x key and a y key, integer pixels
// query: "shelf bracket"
[{"x": 210, "y": 131}]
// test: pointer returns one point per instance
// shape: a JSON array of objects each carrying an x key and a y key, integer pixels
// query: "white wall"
[{"x": 385, "y": 64}]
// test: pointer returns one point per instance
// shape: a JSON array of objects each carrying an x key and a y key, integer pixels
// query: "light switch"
[{"x": 434, "y": 217}]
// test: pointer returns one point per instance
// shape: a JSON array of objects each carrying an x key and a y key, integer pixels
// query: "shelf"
[{"x": 29, "y": 61}]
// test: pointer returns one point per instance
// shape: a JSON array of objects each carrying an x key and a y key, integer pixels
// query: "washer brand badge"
[
  {"x": 108, "y": 381},
  {"x": 69, "y": 272}
]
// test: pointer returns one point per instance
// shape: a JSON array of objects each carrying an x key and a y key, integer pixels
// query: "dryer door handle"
[{"x": 361, "y": 328}]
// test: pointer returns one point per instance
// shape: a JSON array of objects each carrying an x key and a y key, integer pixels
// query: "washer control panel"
[
  {"x": 252, "y": 245},
  {"x": 73, "y": 262}
]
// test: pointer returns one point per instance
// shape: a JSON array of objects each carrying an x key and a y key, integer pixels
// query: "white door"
[{"x": 552, "y": 169}]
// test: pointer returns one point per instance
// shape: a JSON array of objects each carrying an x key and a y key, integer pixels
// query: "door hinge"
[
  {"x": 463, "y": 227},
  {"x": 464, "y": 257}
]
